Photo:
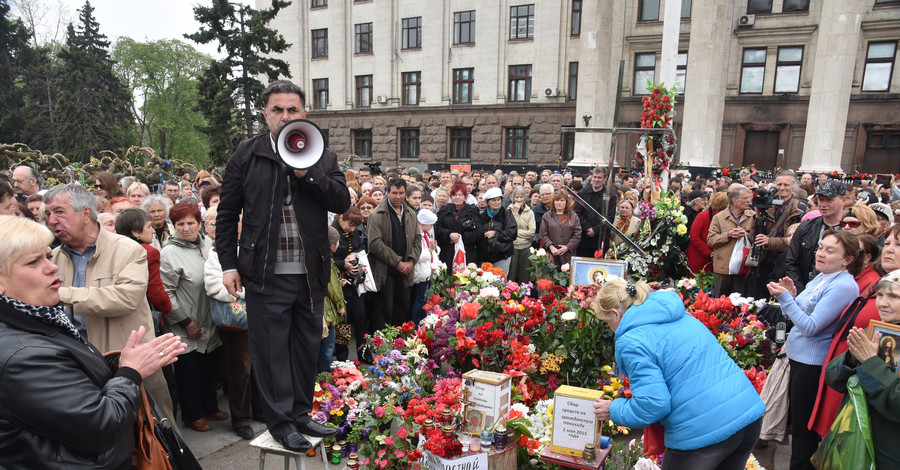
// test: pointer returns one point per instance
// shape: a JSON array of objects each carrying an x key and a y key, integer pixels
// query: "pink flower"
[
  {"x": 383, "y": 464},
  {"x": 401, "y": 433},
  {"x": 399, "y": 454},
  {"x": 398, "y": 410},
  {"x": 389, "y": 441},
  {"x": 379, "y": 412}
]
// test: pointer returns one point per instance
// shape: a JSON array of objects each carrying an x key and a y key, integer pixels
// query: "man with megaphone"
[{"x": 284, "y": 182}]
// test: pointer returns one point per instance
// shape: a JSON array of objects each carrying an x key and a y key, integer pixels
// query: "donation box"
[{"x": 490, "y": 393}]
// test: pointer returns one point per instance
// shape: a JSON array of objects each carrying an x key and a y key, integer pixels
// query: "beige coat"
[
  {"x": 114, "y": 299},
  {"x": 719, "y": 241}
]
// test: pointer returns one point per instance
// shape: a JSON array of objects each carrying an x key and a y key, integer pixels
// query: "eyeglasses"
[
  {"x": 365, "y": 208},
  {"x": 850, "y": 223}
]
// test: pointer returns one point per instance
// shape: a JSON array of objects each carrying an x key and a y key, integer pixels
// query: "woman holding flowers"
[
  {"x": 815, "y": 313},
  {"x": 680, "y": 377}
]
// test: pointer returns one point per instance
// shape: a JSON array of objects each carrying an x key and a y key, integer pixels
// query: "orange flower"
[
  {"x": 468, "y": 311},
  {"x": 544, "y": 284}
]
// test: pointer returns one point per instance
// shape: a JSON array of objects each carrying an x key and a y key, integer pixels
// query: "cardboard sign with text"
[
  {"x": 477, "y": 461},
  {"x": 574, "y": 421}
]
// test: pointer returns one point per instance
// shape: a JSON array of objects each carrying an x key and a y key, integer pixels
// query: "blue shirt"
[
  {"x": 815, "y": 313},
  {"x": 79, "y": 261}
]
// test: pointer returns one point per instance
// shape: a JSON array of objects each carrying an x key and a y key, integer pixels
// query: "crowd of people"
[{"x": 139, "y": 269}]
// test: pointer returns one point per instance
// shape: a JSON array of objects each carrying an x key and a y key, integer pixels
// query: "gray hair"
[
  {"x": 32, "y": 173},
  {"x": 795, "y": 183},
  {"x": 736, "y": 192},
  {"x": 518, "y": 190},
  {"x": 155, "y": 200},
  {"x": 545, "y": 185},
  {"x": 79, "y": 197},
  {"x": 127, "y": 181}
]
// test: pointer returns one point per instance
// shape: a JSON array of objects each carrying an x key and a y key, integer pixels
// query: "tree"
[
  {"x": 242, "y": 33},
  {"x": 164, "y": 75},
  {"x": 13, "y": 51},
  {"x": 93, "y": 104},
  {"x": 46, "y": 20}
]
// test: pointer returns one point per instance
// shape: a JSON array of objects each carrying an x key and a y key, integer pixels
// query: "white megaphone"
[{"x": 300, "y": 144}]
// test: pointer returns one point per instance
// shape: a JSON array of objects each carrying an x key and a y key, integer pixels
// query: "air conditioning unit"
[
  {"x": 551, "y": 92},
  {"x": 746, "y": 21},
  {"x": 382, "y": 99}
]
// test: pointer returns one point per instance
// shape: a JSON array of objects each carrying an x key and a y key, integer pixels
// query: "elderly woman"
[
  {"x": 699, "y": 254},
  {"x": 724, "y": 231},
  {"x": 560, "y": 230},
  {"x": 158, "y": 208},
  {"x": 815, "y": 313},
  {"x": 135, "y": 224},
  {"x": 525, "y": 227},
  {"x": 499, "y": 231},
  {"x": 458, "y": 221},
  {"x": 365, "y": 205},
  {"x": 680, "y": 378},
  {"x": 377, "y": 195},
  {"x": 106, "y": 185},
  {"x": 61, "y": 405},
  {"x": 860, "y": 220},
  {"x": 879, "y": 382},
  {"x": 119, "y": 204},
  {"x": 625, "y": 220},
  {"x": 136, "y": 193},
  {"x": 441, "y": 198},
  {"x": 181, "y": 269}
]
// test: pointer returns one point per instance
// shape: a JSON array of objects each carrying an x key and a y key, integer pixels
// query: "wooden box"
[{"x": 491, "y": 393}]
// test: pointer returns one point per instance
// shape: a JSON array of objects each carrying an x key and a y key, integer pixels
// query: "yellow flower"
[
  {"x": 337, "y": 412},
  {"x": 608, "y": 388},
  {"x": 681, "y": 229},
  {"x": 607, "y": 368}
]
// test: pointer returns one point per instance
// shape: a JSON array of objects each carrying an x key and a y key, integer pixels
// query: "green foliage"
[
  {"x": 14, "y": 51},
  {"x": 230, "y": 90}
]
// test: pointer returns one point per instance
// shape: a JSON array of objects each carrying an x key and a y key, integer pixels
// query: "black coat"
[
  {"x": 354, "y": 242},
  {"x": 590, "y": 220},
  {"x": 466, "y": 222},
  {"x": 500, "y": 247},
  {"x": 801, "y": 254},
  {"x": 61, "y": 406},
  {"x": 256, "y": 182}
]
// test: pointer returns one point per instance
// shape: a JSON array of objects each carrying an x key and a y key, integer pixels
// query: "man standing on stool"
[{"x": 283, "y": 262}]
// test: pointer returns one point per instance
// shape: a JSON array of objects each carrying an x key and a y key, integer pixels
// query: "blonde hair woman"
[{"x": 680, "y": 378}]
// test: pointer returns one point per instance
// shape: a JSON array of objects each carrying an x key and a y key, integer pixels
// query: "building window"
[
  {"x": 412, "y": 33},
  {"x": 568, "y": 145},
  {"x": 519, "y": 83},
  {"x": 363, "y": 91},
  {"x": 644, "y": 71},
  {"x": 464, "y": 27},
  {"x": 463, "y": 83},
  {"x": 885, "y": 2},
  {"x": 517, "y": 143},
  {"x": 795, "y": 5},
  {"x": 521, "y": 22},
  {"x": 409, "y": 143},
  {"x": 573, "y": 81},
  {"x": 787, "y": 69},
  {"x": 318, "y": 3},
  {"x": 680, "y": 72},
  {"x": 320, "y": 93},
  {"x": 362, "y": 142},
  {"x": 685, "y": 9},
  {"x": 412, "y": 81},
  {"x": 648, "y": 10},
  {"x": 576, "y": 17},
  {"x": 879, "y": 66},
  {"x": 753, "y": 70},
  {"x": 320, "y": 43},
  {"x": 759, "y": 6},
  {"x": 364, "y": 38},
  {"x": 460, "y": 143}
]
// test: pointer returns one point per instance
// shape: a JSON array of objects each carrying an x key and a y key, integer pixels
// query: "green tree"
[
  {"x": 243, "y": 35},
  {"x": 14, "y": 50},
  {"x": 163, "y": 75},
  {"x": 93, "y": 107}
]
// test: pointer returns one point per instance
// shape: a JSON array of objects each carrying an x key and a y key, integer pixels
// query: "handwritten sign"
[
  {"x": 477, "y": 461},
  {"x": 574, "y": 421}
]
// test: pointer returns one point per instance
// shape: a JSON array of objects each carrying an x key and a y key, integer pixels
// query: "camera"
[
  {"x": 763, "y": 200},
  {"x": 359, "y": 277},
  {"x": 374, "y": 168}
]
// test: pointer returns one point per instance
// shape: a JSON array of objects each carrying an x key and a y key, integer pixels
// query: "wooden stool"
[
  {"x": 266, "y": 444},
  {"x": 570, "y": 461}
]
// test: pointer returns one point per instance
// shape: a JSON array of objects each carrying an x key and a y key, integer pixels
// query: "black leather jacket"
[
  {"x": 466, "y": 222},
  {"x": 256, "y": 183},
  {"x": 61, "y": 406},
  {"x": 491, "y": 250},
  {"x": 801, "y": 254}
]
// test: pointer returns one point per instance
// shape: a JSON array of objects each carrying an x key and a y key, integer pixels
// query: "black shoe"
[
  {"x": 246, "y": 432},
  {"x": 295, "y": 442},
  {"x": 314, "y": 429}
]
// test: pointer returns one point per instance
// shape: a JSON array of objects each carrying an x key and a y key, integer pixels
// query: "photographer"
[
  {"x": 774, "y": 214},
  {"x": 352, "y": 241}
]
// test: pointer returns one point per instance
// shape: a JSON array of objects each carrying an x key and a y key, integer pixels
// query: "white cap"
[
  {"x": 491, "y": 194},
  {"x": 426, "y": 217}
]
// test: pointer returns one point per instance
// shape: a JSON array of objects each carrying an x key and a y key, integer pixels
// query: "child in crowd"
[
  {"x": 334, "y": 307},
  {"x": 423, "y": 267}
]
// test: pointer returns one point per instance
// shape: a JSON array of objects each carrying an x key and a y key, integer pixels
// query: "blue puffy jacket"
[{"x": 680, "y": 377}]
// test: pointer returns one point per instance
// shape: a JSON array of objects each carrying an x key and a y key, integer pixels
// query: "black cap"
[
  {"x": 831, "y": 188},
  {"x": 697, "y": 194}
]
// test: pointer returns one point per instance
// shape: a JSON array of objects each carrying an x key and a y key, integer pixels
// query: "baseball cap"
[
  {"x": 883, "y": 209},
  {"x": 697, "y": 194},
  {"x": 831, "y": 188}
]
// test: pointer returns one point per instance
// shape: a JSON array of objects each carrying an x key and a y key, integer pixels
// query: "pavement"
[{"x": 221, "y": 449}]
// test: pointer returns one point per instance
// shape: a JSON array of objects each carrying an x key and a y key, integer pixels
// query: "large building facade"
[{"x": 790, "y": 83}]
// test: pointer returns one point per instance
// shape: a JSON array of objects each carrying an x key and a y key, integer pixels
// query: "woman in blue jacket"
[{"x": 680, "y": 378}]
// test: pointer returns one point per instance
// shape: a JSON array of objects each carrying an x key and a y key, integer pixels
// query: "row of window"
[
  {"x": 459, "y": 143},
  {"x": 463, "y": 87}
]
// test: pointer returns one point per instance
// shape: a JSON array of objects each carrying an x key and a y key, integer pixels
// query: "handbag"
[
  {"x": 149, "y": 453},
  {"x": 368, "y": 285},
  {"x": 342, "y": 333},
  {"x": 654, "y": 439},
  {"x": 772, "y": 317},
  {"x": 229, "y": 315},
  {"x": 739, "y": 254},
  {"x": 848, "y": 444},
  {"x": 180, "y": 456}
]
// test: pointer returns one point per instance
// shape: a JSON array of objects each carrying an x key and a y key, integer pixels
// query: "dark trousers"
[
  {"x": 518, "y": 265},
  {"x": 391, "y": 303},
  {"x": 285, "y": 333},
  {"x": 196, "y": 374},
  {"x": 356, "y": 316},
  {"x": 417, "y": 298},
  {"x": 725, "y": 284},
  {"x": 243, "y": 396},
  {"x": 730, "y": 454},
  {"x": 804, "y": 386}
]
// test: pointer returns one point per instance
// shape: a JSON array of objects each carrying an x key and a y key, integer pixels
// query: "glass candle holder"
[
  {"x": 487, "y": 438},
  {"x": 336, "y": 454},
  {"x": 589, "y": 454},
  {"x": 501, "y": 439},
  {"x": 475, "y": 444}
]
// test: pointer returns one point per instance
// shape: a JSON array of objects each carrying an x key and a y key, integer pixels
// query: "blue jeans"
[
  {"x": 418, "y": 300},
  {"x": 326, "y": 351}
]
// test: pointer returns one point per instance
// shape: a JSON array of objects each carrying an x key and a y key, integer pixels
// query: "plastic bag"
[
  {"x": 848, "y": 444},
  {"x": 459, "y": 257},
  {"x": 229, "y": 315},
  {"x": 368, "y": 285},
  {"x": 736, "y": 264}
]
